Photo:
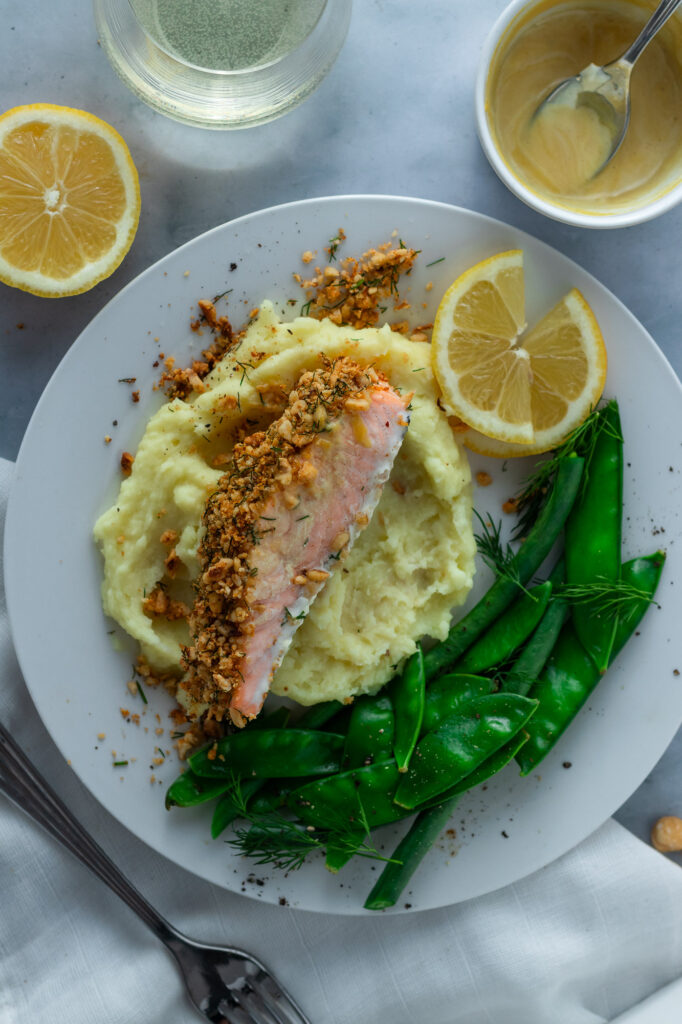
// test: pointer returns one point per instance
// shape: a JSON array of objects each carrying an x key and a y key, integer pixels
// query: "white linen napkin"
[{"x": 577, "y": 943}]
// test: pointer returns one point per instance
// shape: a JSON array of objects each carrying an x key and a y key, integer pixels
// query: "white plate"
[{"x": 66, "y": 476}]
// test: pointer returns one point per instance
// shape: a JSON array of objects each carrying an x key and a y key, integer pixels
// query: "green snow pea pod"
[
  {"x": 318, "y": 715},
  {"x": 338, "y": 856},
  {"x": 409, "y": 854},
  {"x": 270, "y": 754},
  {"x": 370, "y": 732},
  {"x": 593, "y": 534},
  {"x": 229, "y": 807},
  {"x": 449, "y": 693},
  {"x": 571, "y": 675},
  {"x": 528, "y": 559},
  {"x": 408, "y": 693},
  {"x": 427, "y": 826},
  {"x": 277, "y": 719},
  {"x": 190, "y": 789},
  {"x": 533, "y": 657},
  {"x": 508, "y": 632},
  {"x": 363, "y": 796},
  {"x": 460, "y": 744},
  {"x": 485, "y": 771}
]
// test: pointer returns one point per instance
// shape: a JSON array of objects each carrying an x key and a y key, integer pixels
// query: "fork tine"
[
  {"x": 257, "y": 1007},
  {"x": 279, "y": 1003},
  {"x": 233, "y": 1012}
]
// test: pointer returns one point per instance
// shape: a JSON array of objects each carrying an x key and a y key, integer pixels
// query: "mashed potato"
[{"x": 408, "y": 568}]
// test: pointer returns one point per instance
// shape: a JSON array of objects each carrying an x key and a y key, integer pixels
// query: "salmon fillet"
[{"x": 295, "y": 499}]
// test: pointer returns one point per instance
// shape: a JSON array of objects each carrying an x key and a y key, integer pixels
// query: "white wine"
[
  {"x": 222, "y": 63},
  {"x": 228, "y": 35}
]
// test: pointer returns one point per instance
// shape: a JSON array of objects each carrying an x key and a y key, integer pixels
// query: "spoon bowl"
[{"x": 606, "y": 89}]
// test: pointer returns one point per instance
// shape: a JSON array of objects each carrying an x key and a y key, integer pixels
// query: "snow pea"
[
  {"x": 448, "y": 694},
  {"x": 318, "y": 715},
  {"x": 528, "y": 558},
  {"x": 533, "y": 657},
  {"x": 460, "y": 744},
  {"x": 229, "y": 807},
  {"x": 508, "y": 632},
  {"x": 428, "y": 825},
  {"x": 409, "y": 854},
  {"x": 571, "y": 674},
  {"x": 277, "y": 719},
  {"x": 370, "y": 732},
  {"x": 593, "y": 534},
  {"x": 491, "y": 766},
  {"x": 270, "y": 754},
  {"x": 338, "y": 856},
  {"x": 363, "y": 796},
  {"x": 190, "y": 789},
  {"x": 408, "y": 695}
]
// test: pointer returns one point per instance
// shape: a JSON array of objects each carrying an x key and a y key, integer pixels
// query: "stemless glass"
[{"x": 222, "y": 63}]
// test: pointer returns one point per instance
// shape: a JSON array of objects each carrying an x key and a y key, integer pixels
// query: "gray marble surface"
[{"x": 394, "y": 116}]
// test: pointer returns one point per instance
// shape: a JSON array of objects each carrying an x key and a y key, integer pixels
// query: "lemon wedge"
[
  {"x": 522, "y": 387},
  {"x": 69, "y": 199}
]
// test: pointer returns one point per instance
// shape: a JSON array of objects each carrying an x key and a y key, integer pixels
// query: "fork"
[{"x": 227, "y": 985}]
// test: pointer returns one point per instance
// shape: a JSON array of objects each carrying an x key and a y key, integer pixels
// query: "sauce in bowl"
[{"x": 557, "y": 153}]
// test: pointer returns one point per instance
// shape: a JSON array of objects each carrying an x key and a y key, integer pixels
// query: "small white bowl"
[{"x": 644, "y": 210}]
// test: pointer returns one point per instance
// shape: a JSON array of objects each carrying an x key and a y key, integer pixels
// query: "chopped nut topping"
[
  {"x": 263, "y": 463},
  {"x": 317, "y": 575},
  {"x": 356, "y": 292},
  {"x": 159, "y": 604}
]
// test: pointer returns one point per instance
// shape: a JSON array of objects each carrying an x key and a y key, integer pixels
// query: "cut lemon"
[
  {"x": 69, "y": 199},
  {"x": 522, "y": 387}
]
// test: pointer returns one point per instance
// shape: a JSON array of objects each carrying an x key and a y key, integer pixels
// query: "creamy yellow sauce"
[{"x": 558, "y": 154}]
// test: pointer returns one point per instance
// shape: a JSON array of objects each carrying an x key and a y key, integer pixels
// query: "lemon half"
[{"x": 69, "y": 199}]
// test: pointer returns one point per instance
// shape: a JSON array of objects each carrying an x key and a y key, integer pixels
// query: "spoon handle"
[{"x": 655, "y": 22}]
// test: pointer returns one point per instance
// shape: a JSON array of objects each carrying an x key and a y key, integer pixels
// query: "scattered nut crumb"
[
  {"x": 666, "y": 835},
  {"x": 483, "y": 479}
]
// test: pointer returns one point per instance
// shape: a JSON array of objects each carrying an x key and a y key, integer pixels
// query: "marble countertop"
[{"x": 394, "y": 116}]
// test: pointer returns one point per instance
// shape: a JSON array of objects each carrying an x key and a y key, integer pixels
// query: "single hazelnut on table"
[{"x": 666, "y": 835}]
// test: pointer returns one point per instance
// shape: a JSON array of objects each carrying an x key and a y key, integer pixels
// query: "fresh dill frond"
[
  {"x": 609, "y": 597},
  {"x": 499, "y": 557},
  {"x": 334, "y": 244},
  {"x": 275, "y": 839},
  {"x": 582, "y": 441}
]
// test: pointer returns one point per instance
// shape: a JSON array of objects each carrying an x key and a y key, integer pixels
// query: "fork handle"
[
  {"x": 26, "y": 787},
  {"x": 655, "y": 22}
]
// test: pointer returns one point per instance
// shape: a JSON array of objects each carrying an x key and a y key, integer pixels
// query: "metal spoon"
[{"x": 607, "y": 89}]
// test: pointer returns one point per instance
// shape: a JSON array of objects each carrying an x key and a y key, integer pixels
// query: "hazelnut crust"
[{"x": 266, "y": 462}]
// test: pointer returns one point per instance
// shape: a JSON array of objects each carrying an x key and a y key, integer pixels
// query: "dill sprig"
[
  {"x": 610, "y": 597},
  {"x": 275, "y": 839},
  {"x": 499, "y": 557},
  {"x": 582, "y": 441},
  {"x": 334, "y": 244}
]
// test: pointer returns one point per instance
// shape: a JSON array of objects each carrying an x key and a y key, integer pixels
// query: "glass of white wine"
[{"x": 222, "y": 63}]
